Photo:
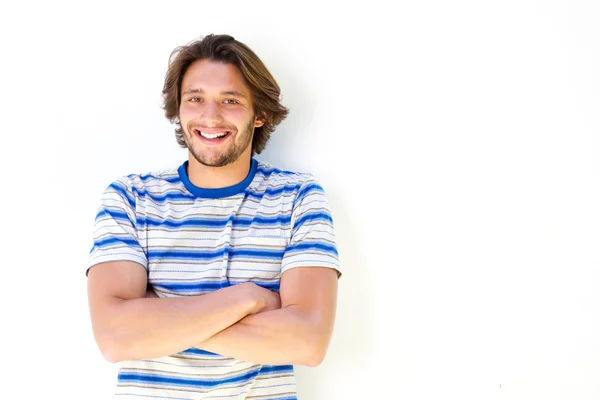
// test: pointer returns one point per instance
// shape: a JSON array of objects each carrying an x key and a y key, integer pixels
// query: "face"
[{"x": 216, "y": 113}]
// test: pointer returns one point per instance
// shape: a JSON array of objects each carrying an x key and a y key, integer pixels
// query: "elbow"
[
  {"x": 112, "y": 349},
  {"x": 314, "y": 360},
  {"x": 314, "y": 351},
  {"x": 312, "y": 339},
  {"x": 111, "y": 355}
]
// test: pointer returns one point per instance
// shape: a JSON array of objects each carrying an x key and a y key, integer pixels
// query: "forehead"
[{"x": 214, "y": 76}]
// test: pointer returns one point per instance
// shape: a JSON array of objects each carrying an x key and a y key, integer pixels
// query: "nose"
[{"x": 211, "y": 114}]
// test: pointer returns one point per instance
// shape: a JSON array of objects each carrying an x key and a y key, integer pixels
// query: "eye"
[
  {"x": 195, "y": 99},
  {"x": 230, "y": 101}
]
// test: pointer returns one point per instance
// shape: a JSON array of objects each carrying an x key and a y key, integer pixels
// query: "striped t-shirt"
[{"x": 193, "y": 241}]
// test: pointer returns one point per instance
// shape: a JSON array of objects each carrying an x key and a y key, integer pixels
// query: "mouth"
[{"x": 213, "y": 136}]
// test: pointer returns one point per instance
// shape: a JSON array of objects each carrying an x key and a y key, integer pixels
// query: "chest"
[{"x": 202, "y": 246}]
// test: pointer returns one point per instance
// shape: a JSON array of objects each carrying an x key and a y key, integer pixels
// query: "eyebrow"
[{"x": 235, "y": 93}]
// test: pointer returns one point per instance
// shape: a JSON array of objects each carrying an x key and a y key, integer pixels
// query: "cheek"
[
  {"x": 184, "y": 111},
  {"x": 185, "y": 116},
  {"x": 239, "y": 117}
]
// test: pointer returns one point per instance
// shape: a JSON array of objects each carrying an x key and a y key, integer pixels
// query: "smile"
[{"x": 213, "y": 136}]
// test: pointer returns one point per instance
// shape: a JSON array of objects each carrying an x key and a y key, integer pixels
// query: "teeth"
[{"x": 212, "y": 135}]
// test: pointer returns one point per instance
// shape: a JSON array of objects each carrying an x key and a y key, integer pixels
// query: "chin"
[{"x": 220, "y": 161}]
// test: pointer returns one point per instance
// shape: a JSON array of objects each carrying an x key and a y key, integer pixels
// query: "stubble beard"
[{"x": 231, "y": 154}]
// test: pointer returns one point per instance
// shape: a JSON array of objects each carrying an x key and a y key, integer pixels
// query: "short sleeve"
[
  {"x": 115, "y": 236},
  {"x": 312, "y": 242}
]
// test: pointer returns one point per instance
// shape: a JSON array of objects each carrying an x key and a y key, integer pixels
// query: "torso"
[{"x": 197, "y": 245}]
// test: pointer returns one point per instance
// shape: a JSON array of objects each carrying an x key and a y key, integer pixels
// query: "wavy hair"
[{"x": 266, "y": 94}]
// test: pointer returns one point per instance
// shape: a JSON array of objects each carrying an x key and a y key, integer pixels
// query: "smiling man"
[{"x": 212, "y": 279}]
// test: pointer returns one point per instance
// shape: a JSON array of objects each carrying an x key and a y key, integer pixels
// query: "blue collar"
[{"x": 217, "y": 193}]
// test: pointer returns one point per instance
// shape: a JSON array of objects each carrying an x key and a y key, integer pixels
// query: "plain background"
[{"x": 457, "y": 142}]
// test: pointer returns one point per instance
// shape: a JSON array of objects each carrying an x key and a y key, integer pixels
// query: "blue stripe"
[
  {"x": 109, "y": 241},
  {"x": 258, "y": 220},
  {"x": 261, "y": 254},
  {"x": 173, "y": 254},
  {"x": 319, "y": 246},
  {"x": 115, "y": 214},
  {"x": 313, "y": 217},
  {"x": 197, "y": 383},
  {"x": 188, "y": 222},
  {"x": 271, "y": 285},
  {"x": 205, "y": 255},
  {"x": 209, "y": 286},
  {"x": 275, "y": 369}
]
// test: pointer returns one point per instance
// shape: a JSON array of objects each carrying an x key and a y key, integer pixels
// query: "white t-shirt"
[{"x": 192, "y": 241}]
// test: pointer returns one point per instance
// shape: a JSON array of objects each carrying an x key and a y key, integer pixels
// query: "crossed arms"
[{"x": 243, "y": 321}]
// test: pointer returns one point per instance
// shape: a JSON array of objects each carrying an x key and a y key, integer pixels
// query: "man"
[{"x": 211, "y": 280}]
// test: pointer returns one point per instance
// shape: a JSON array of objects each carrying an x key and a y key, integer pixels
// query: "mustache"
[{"x": 192, "y": 126}]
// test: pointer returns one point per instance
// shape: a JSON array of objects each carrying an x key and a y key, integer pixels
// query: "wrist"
[{"x": 250, "y": 299}]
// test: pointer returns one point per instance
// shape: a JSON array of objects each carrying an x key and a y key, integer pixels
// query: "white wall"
[{"x": 457, "y": 141}]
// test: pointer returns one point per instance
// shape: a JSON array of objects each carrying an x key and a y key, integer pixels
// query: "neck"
[{"x": 218, "y": 177}]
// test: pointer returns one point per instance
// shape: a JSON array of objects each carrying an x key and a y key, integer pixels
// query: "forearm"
[
  {"x": 156, "y": 327},
  {"x": 284, "y": 336}
]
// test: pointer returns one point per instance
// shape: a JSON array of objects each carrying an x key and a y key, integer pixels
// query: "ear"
[{"x": 259, "y": 121}]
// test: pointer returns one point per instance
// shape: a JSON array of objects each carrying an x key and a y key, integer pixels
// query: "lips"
[{"x": 209, "y": 135}]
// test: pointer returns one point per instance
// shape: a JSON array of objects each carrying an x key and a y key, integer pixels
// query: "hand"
[
  {"x": 266, "y": 300},
  {"x": 272, "y": 301}
]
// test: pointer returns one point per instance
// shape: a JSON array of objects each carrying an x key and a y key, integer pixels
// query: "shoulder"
[
  {"x": 141, "y": 184},
  {"x": 275, "y": 176},
  {"x": 299, "y": 188}
]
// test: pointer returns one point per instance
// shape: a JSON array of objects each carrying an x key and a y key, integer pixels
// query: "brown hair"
[{"x": 224, "y": 48}]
